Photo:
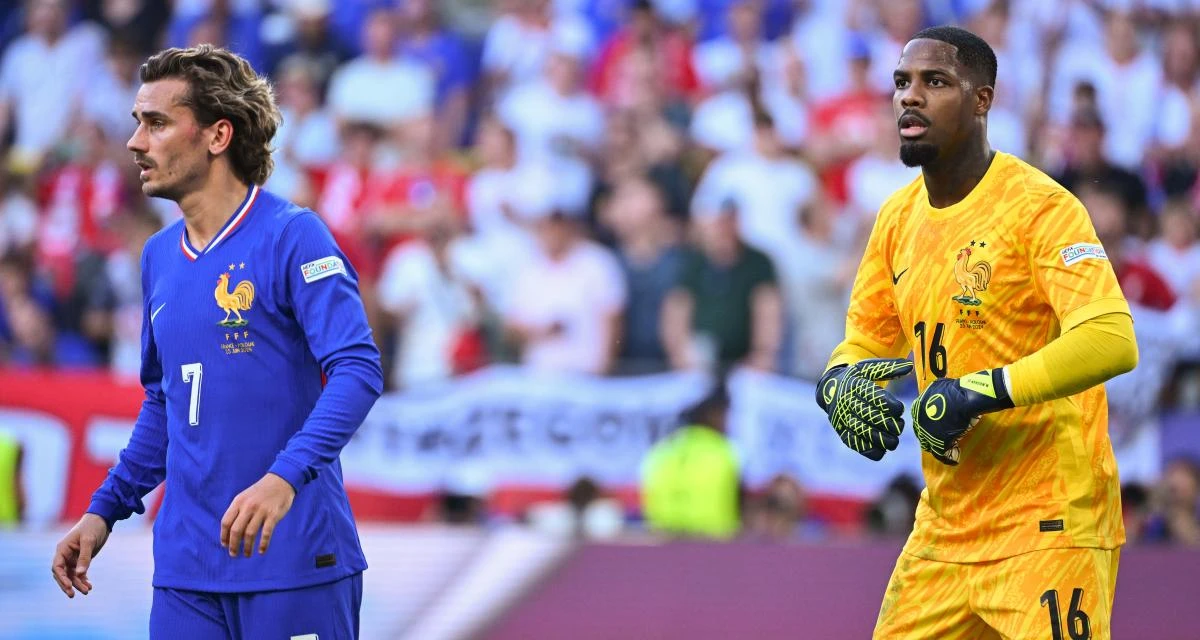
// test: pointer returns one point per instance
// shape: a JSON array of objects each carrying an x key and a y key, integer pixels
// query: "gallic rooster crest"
[
  {"x": 971, "y": 277},
  {"x": 233, "y": 302}
]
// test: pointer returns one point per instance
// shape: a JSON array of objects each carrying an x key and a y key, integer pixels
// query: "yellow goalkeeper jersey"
[{"x": 979, "y": 285}]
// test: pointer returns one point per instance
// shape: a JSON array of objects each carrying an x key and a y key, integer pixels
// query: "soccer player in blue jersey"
[{"x": 258, "y": 366}]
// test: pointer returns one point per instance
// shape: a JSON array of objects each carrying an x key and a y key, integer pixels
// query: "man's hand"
[
  {"x": 261, "y": 506},
  {"x": 949, "y": 407},
  {"x": 866, "y": 416},
  {"x": 74, "y": 554}
]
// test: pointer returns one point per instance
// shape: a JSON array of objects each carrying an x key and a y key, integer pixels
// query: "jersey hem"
[
  {"x": 929, "y": 552},
  {"x": 226, "y": 586}
]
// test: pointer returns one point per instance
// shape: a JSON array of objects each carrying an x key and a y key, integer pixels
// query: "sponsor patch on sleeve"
[
  {"x": 322, "y": 268},
  {"x": 1082, "y": 251}
]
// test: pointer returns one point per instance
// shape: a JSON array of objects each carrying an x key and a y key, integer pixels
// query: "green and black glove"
[
  {"x": 867, "y": 417},
  {"x": 949, "y": 407}
]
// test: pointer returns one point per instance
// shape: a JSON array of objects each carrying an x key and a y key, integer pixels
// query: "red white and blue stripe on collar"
[{"x": 230, "y": 225}]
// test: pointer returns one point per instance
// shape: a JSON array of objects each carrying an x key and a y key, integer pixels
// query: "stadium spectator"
[
  {"x": 878, "y": 173},
  {"x": 1176, "y": 253},
  {"x": 12, "y": 492},
  {"x": 766, "y": 185},
  {"x": 556, "y": 121},
  {"x": 303, "y": 30},
  {"x": 815, "y": 279},
  {"x": 433, "y": 310},
  {"x": 843, "y": 126},
  {"x": 18, "y": 213},
  {"x": 137, "y": 23},
  {"x": 788, "y": 100},
  {"x": 1086, "y": 162},
  {"x": 819, "y": 37},
  {"x": 424, "y": 38},
  {"x": 499, "y": 241},
  {"x": 650, "y": 256},
  {"x": 519, "y": 42},
  {"x": 36, "y": 342},
  {"x": 567, "y": 303},
  {"x": 426, "y": 185},
  {"x": 1136, "y": 511},
  {"x": 228, "y": 23},
  {"x": 1177, "y": 518},
  {"x": 896, "y": 22},
  {"x": 740, "y": 52},
  {"x": 352, "y": 187},
  {"x": 893, "y": 513},
  {"x": 723, "y": 122},
  {"x": 307, "y": 140},
  {"x": 779, "y": 513},
  {"x": 1130, "y": 90},
  {"x": 112, "y": 89},
  {"x": 42, "y": 111},
  {"x": 725, "y": 309},
  {"x": 690, "y": 482},
  {"x": 120, "y": 298},
  {"x": 379, "y": 87},
  {"x": 667, "y": 52},
  {"x": 1141, "y": 283}
]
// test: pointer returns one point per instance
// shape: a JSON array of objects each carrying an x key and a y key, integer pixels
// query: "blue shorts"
[{"x": 321, "y": 612}]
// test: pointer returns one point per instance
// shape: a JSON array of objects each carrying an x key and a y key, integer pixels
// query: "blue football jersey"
[{"x": 256, "y": 357}]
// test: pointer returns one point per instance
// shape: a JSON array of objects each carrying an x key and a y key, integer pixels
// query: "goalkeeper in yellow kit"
[{"x": 991, "y": 275}]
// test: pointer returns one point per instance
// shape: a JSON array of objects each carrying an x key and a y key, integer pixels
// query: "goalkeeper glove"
[
  {"x": 866, "y": 416},
  {"x": 949, "y": 407}
]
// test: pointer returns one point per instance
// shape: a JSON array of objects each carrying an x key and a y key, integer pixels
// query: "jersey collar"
[{"x": 232, "y": 223}]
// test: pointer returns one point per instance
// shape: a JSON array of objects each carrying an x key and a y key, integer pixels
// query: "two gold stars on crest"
[{"x": 240, "y": 265}]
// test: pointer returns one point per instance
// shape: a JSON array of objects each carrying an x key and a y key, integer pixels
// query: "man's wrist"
[{"x": 988, "y": 389}]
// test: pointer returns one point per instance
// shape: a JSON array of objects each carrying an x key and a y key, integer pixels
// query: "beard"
[{"x": 917, "y": 154}]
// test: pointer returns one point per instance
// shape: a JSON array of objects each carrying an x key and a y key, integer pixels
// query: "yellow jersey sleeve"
[{"x": 1070, "y": 267}]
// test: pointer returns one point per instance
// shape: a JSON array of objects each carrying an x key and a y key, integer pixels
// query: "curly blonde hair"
[{"x": 223, "y": 86}]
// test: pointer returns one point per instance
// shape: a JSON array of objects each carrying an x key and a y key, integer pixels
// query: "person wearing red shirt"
[{"x": 644, "y": 32}]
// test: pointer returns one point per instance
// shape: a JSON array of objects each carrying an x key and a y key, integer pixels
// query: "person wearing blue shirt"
[{"x": 258, "y": 366}]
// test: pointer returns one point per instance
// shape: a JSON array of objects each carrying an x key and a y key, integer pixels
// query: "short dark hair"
[
  {"x": 973, "y": 53},
  {"x": 223, "y": 85}
]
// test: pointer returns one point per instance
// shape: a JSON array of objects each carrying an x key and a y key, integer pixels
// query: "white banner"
[
  {"x": 505, "y": 425},
  {"x": 777, "y": 428}
]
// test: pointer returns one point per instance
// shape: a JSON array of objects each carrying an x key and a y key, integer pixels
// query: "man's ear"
[
  {"x": 221, "y": 133},
  {"x": 983, "y": 99}
]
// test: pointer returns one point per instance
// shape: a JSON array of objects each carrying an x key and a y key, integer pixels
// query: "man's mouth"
[{"x": 912, "y": 126}]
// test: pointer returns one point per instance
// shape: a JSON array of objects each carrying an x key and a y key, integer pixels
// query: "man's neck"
[
  {"x": 951, "y": 180},
  {"x": 208, "y": 208}
]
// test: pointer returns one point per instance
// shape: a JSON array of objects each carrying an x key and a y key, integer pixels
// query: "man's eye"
[
  {"x": 900, "y": 84},
  {"x": 937, "y": 82}
]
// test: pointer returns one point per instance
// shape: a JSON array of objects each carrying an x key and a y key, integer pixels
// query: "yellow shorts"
[{"x": 1055, "y": 594}]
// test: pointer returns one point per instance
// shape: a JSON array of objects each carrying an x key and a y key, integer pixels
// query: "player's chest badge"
[
  {"x": 234, "y": 297},
  {"x": 972, "y": 277}
]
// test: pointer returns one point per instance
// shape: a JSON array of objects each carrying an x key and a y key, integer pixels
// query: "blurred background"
[{"x": 606, "y": 247}]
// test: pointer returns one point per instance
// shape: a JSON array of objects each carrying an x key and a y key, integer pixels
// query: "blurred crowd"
[{"x": 610, "y": 187}]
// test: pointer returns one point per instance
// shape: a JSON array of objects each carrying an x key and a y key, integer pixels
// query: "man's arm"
[
  {"x": 142, "y": 465},
  {"x": 1096, "y": 350},
  {"x": 331, "y": 314},
  {"x": 329, "y": 310},
  {"x": 1072, "y": 274}
]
